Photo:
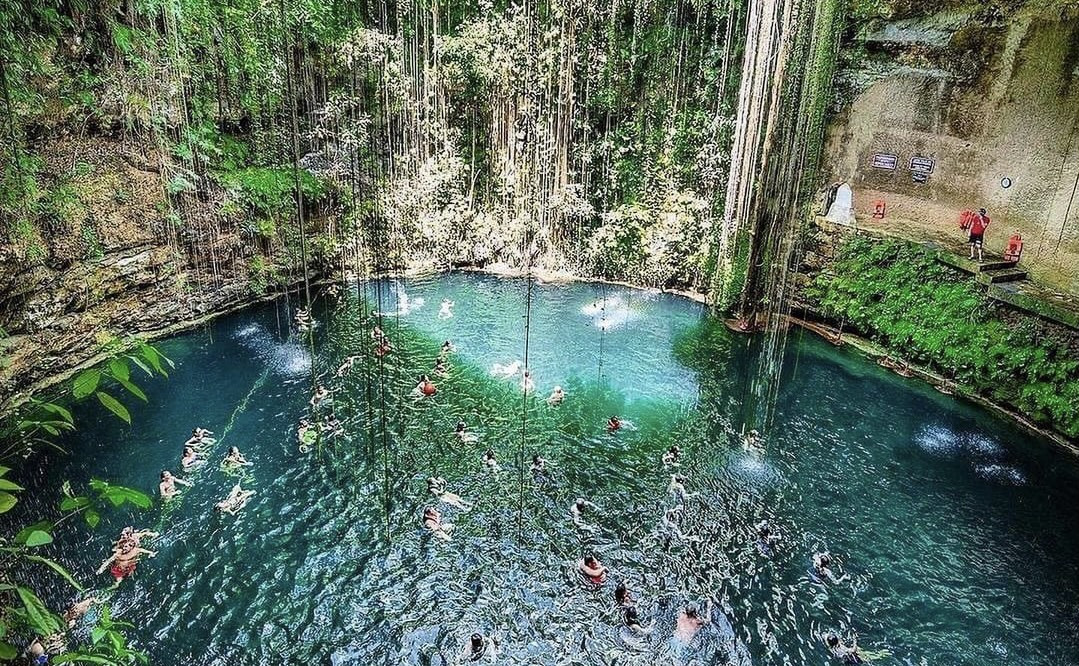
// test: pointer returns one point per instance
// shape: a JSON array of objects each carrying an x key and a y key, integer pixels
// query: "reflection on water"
[{"x": 954, "y": 536}]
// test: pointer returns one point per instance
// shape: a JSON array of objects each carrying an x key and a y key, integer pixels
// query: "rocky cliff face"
[
  {"x": 945, "y": 106},
  {"x": 105, "y": 262}
]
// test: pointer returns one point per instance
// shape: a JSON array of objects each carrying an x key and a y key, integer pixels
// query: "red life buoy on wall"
[
  {"x": 878, "y": 209},
  {"x": 966, "y": 218},
  {"x": 1015, "y": 247}
]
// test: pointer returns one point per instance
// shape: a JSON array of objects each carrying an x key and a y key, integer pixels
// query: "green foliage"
[
  {"x": 22, "y": 612},
  {"x": 269, "y": 192},
  {"x": 898, "y": 294}
]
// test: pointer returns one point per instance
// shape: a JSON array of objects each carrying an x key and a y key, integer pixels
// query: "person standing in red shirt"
[{"x": 977, "y": 232}]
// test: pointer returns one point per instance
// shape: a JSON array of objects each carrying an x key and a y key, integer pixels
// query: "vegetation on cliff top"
[{"x": 897, "y": 293}]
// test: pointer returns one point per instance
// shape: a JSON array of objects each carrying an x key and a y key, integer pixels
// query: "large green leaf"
[
  {"x": 74, "y": 503},
  {"x": 7, "y": 500},
  {"x": 132, "y": 389},
  {"x": 119, "y": 370},
  {"x": 7, "y": 651},
  {"x": 114, "y": 406},
  {"x": 25, "y": 533},
  {"x": 9, "y": 485},
  {"x": 58, "y": 410},
  {"x": 86, "y": 383},
  {"x": 93, "y": 518},
  {"x": 58, "y": 568},
  {"x": 38, "y": 616}
]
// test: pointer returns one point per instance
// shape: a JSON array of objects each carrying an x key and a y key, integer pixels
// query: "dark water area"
[{"x": 955, "y": 533}]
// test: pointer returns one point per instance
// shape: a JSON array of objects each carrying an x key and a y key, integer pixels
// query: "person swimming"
[
  {"x": 527, "y": 385},
  {"x": 130, "y": 537},
  {"x": 124, "y": 560},
  {"x": 445, "y": 310},
  {"x": 672, "y": 457},
  {"x": 235, "y": 459},
  {"x": 752, "y": 441},
  {"x": 237, "y": 499},
  {"x": 592, "y": 569},
  {"x": 622, "y": 596},
  {"x": 557, "y": 397},
  {"x": 432, "y": 520},
  {"x": 669, "y": 526},
  {"x": 167, "y": 487},
  {"x": 614, "y": 424},
  {"x": 690, "y": 620},
  {"x": 766, "y": 538},
  {"x": 200, "y": 437},
  {"x": 306, "y": 434},
  {"x": 436, "y": 485},
  {"x": 632, "y": 619},
  {"x": 441, "y": 368},
  {"x": 481, "y": 648},
  {"x": 303, "y": 319},
  {"x": 321, "y": 394},
  {"x": 490, "y": 462},
  {"x": 425, "y": 388},
  {"x": 190, "y": 459},
  {"x": 822, "y": 566},
  {"x": 849, "y": 654},
  {"x": 463, "y": 435},
  {"x": 346, "y": 365},
  {"x": 678, "y": 489},
  {"x": 447, "y": 347},
  {"x": 576, "y": 512}
]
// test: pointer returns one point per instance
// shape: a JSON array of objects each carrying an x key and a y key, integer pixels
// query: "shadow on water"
[{"x": 951, "y": 528}]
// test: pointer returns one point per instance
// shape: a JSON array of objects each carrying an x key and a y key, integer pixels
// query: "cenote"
[{"x": 955, "y": 532}]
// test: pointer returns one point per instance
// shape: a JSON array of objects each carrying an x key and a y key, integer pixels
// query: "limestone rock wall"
[{"x": 988, "y": 91}]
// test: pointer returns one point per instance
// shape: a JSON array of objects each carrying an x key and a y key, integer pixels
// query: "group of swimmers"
[{"x": 691, "y": 617}]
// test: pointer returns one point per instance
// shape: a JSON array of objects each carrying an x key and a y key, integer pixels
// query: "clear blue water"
[{"x": 958, "y": 532}]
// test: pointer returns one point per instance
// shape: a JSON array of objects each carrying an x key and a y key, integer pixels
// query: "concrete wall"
[{"x": 986, "y": 99}]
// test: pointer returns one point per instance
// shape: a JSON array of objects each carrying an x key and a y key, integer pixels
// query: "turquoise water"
[{"x": 957, "y": 532}]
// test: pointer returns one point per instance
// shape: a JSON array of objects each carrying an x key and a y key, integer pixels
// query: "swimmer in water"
[
  {"x": 672, "y": 456},
  {"x": 445, "y": 310},
  {"x": 752, "y": 441},
  {"x": 527, "y": 385},
  {"x": 124, "y": 561},
  {"x": 690, "y": 621},
  {"x": 822, "y": 566},
  {"x": 436, "y": 485},
  {"x": 167, "y": 487},
  {"x": 130, "y": 537},
  {"x": 346, "y": 365},
  {"x": 849, "y": 654},
  {"x": 490, "y": 462},
  {"x": 539, "y": 465},
  {"x": 614, "y": 424},
  {"x": 236, "y": 500},
  {"x": 199, "y": 439},
  {"x": 481, "y": 648},
  {"x": 669, "y": 526},
  {"x": 576, "y": 512},
  {"x": 592, "y": 569},
  {"x": 425, "y": 389},
  {"x": 432, "y": 520},
  {"x": 321, "y": 393},
  {"x": 303, "y": 319},
  {"x": 441, "y": 368},
  {"x": 78, "y": 609},
  {"x": 463, "y": 435},
  {"x": 235, "y": 459},
  {"x": 622, "y": 595},
  {"x": 447, "y": 347},
  {"x": 557, "y": 397},
  {"x": 331, "y": 426},
  {"x": 678, "y": 489},
  {"x": 190, "y": 459},
  {"x": 766, "y": 538},
  {"x": 632, "y": 621}
]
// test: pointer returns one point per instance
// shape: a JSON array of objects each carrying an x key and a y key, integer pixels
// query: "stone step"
[
  {"x": 969, "y": 266},
  {"x": 1000, "y": 275}
]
